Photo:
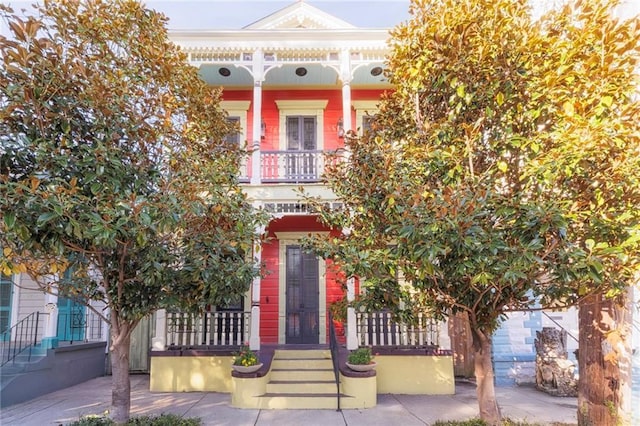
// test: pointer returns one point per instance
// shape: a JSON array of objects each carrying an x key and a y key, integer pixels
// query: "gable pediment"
[{"x": 299, "y": 15}]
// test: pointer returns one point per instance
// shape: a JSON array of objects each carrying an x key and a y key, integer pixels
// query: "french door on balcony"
[
  {"x": 301, "y": 157},
  {"x": 302, "y": 295}
]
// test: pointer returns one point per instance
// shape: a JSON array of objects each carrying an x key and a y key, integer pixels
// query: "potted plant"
[
  {"x": 361, "y": 360},
  {"x": 246, "y": 361}
]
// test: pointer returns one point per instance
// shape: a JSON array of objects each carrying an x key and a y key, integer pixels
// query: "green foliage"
[
  {"x": 161, "y": 420},
  {"x": 472, "y": 422},
  {"x": 113, "y": 151},
  {"x": 360, "y": 356},
  {"x": 502, "y": 171},
  {"x": 137, "y": 195},
  {"x": 246, "y": 357}
]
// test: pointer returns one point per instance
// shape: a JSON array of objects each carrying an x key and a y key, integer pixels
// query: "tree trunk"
[
  {"x": 485, "y": 386},
  {"x": 604, "y": 361},
  {"x": 121, "y": 386}
]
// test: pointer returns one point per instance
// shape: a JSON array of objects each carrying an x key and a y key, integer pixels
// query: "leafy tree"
[
  {"x": 460, "y": 187},
  {"x": 586, "y": 83},
  {"x": 114, "y": 165}
]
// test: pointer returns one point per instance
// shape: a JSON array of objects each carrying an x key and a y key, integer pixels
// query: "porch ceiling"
[{"x": 317, "y": 75}]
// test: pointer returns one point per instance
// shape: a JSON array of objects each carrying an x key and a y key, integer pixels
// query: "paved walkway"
[{"x": 94, "y": 396}]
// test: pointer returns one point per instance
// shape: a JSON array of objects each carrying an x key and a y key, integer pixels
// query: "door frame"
[{"x": 293, "y": 239}]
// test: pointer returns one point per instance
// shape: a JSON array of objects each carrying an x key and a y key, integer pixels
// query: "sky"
[{"x": 235, "y": 14}]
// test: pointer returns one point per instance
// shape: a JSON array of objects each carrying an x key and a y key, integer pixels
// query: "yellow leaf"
[
  {"x": 568, "y": 108},
  {"x": 500, "y": 99},
  {"x": 53, "y": 268},
  {"x": 6, "y": 251},
  {"x": 502, "y": 166},
  {"x": 35, "y": 182}
]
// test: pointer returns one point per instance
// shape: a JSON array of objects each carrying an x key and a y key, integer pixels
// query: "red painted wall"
[
  {"x": 271, "y": 115},
  {"x": 269, "y": 301}
]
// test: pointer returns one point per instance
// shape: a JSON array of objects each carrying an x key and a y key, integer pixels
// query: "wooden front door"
[{"x": 302, "y": 295}]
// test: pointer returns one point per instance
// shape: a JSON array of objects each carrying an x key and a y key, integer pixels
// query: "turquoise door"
[
  {"x": 6, "y": 291},
  {"x": 72, "y": 320}
]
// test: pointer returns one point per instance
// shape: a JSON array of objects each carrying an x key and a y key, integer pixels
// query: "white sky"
[{"x": 235, "y": 14}]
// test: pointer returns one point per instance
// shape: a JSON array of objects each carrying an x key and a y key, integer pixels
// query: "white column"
[
  {"x": 345, "y": 77},
  {"x": 258, "y": 77},
  {"x": 50, "y": 338},
  {"x": 254, "y": 331},
  {"x": 159, "y": 341},
  {"x": 352, "y": 338}
]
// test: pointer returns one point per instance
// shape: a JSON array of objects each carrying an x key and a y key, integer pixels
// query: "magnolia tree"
[
  {"x": 466, "y": 185},
  {"x": 117, "y": 183}
]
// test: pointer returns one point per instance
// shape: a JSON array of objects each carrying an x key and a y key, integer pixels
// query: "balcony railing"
[
  {"x": 379, "y": 329},
  {"x": 222, "y": 328},
  {"x": 290, "y": 166}
]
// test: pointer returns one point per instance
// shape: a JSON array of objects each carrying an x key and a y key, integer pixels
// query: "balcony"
[{"x": 291, "y": 166}]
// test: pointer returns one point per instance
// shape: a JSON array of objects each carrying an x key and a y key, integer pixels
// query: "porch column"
[
  {"x": 345, "y": 77},
  {"x": 159, "y": 341},
  {"x": 50, "y": 336},
  {"x": 254, "y": 330},
  {"x": 352, "y": 337},
  {"x": 258, "y": 78}
]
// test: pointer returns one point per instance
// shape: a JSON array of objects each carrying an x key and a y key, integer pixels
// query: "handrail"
[
  {"x": 333, "y": 345},
  {"x": 561, "y": 327},
  {"x": 26, "y": 337}
]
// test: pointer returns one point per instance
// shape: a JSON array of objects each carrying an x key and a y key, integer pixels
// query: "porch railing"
[
  {"x": 292, "y": 166},
  {"x": 379, "y": 329},
  {"x": 222, "y": 328},
  {"x": 81, "y": 326},
  {"x": 21, "y": 338}
]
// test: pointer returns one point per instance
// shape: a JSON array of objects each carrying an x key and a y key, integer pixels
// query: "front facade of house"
[{"x": 295, "y": 82}]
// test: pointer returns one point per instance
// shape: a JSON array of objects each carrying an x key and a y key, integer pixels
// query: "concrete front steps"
[{"x": 301, "y": 379}]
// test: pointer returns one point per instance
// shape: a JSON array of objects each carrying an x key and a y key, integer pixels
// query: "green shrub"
[
  {"x": 472, "y": 422},
  {"x": 361, "y": 356},
  {"x": 161, "y": 420}
]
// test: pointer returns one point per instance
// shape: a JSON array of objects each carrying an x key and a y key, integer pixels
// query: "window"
[
  {"x": 365, "y": 114},
  {"x": 6, "y": 291},
  {"x": 234, "y": 137},
  {"x": 301, "y": 156},
  {"x": 301, "y": 133}
]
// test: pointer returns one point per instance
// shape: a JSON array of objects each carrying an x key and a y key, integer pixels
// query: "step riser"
[
  {"x": 302, "y": 354},
  {"x": 301, "y": 375},
  {"x": 302, "y": 387},
  {"x": 301, "y": 364}
]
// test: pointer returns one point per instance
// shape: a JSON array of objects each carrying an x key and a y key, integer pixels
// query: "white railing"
[
  {"x": 292, "y": 166},
  {"x": 379, "y": 329},
  {"x": 223, "y": 328}
]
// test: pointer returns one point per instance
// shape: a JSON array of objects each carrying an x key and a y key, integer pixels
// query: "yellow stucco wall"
[
  {"x": 191, "y": 374},
  {"x": 415, "y": 375},
  {"x": 362, "y": 392}
]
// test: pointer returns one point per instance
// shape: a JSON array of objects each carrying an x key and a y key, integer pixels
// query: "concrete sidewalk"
[{"x": 94, "y": 396}]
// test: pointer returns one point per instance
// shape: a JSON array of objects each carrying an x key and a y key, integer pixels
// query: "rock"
[{"x": 555, "y": 374}]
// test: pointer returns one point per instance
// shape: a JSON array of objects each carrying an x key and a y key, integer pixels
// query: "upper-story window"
[
  {"x": 301, "y": 124},
  {"x": 234, "y": 137},
  {"x": 301, "y": 133},
  {"x": 365, "y": 114}
]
